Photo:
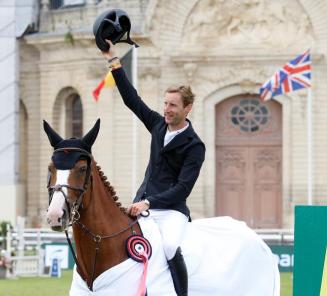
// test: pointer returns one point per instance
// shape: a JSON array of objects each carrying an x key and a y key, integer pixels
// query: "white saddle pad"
[{"x": 224, "y": 258}]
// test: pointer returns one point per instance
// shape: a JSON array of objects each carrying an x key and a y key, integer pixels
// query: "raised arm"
[{"x": 128, "y": 93}]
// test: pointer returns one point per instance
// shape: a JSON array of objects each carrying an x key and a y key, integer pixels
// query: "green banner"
[
  {"x": 310, "y": 241},
  {"x": 285, "y": 254},
  {"x": 61, "y": 251}
]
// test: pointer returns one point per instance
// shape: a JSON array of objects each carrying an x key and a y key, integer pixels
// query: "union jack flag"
[{"x": 293, "y": 76}]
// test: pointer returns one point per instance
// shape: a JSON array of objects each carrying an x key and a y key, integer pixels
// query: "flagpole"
[
  {"x": 295, "y": 75},
  {"x": 309, "y": 118},
  {"x": 135, "y": 129}
]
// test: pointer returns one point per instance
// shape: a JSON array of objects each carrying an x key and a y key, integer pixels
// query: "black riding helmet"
[{"x": 112, "y": 25}]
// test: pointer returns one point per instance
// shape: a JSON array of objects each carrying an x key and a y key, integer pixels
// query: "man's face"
[{"x": 174, "y": 111}]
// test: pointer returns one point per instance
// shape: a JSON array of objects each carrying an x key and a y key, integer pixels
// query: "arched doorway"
[
  {"x": 74, "y": 116},
  {"x": 249, "y": 161},
  {"x": 68, "y": 113}
]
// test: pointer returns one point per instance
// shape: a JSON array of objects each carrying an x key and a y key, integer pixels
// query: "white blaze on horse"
[{"x": 223, "y": 256}]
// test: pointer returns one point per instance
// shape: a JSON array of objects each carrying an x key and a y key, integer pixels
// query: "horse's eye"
[{"x": 82, "y": 169}]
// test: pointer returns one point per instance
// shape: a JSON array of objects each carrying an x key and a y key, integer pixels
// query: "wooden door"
[{"x": 249, "y": 161}]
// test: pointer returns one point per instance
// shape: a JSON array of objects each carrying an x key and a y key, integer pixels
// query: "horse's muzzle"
[{"x": 58, "y": 223}]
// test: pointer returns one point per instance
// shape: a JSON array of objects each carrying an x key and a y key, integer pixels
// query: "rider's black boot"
[{"x": 178, "y": 271}]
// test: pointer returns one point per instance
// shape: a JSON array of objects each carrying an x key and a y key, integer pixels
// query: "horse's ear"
[
  {"x": 90, "y": 137},
  {"x": 54, "y": 138}
]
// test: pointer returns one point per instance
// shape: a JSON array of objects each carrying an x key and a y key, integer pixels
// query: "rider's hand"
[
  {"x": 111, "y": 53},
  {"x": 137, "y": 208}
]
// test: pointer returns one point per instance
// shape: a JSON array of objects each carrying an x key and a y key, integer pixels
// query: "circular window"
[{"x": 249, "y": 115}]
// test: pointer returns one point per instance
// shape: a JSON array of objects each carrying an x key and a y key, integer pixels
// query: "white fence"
[
  {"x": 22, "y": 241},
  {"x": 27, "y": 265},
  {"x": 279, "y": 236},
  {"x": 25, "y": 248}
]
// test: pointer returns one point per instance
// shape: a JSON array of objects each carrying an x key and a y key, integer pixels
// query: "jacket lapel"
[
  {"x": 161, "y": 135},
  {"x": 179, "y": 139}
]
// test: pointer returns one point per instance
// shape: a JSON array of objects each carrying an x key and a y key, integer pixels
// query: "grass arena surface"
[{"x": 46, "y": 286}]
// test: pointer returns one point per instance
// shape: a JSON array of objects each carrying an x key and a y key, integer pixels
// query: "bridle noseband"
[{"x": 72, "y": 207}]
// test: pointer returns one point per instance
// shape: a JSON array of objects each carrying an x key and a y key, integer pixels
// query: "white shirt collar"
[{"x": 172, "y": 134}]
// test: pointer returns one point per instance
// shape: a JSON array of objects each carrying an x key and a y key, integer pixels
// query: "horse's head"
[{"x": 68, "y": 176}]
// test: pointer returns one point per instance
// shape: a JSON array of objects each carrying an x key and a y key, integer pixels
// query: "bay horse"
[{"x": 224, "y": 257}]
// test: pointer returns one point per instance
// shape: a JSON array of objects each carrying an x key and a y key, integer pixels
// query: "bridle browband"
[
  {"x": 81, "y": 190},
  {"x": 74, "y": 215}
]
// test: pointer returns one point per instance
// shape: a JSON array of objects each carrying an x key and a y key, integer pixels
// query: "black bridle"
[{"x": 74, "y": 208}]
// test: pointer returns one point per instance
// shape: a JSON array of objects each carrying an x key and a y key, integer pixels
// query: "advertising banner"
[{"x": 310, "y": 241}]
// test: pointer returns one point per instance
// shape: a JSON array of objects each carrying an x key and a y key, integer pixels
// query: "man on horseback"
[{"x": 176, "y": 157}]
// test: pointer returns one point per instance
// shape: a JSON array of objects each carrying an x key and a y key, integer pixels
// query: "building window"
[
  {"x": 249, "y": 115},
  {"x": 74, "y": 116},
  {"x": 57, "y": 4}
]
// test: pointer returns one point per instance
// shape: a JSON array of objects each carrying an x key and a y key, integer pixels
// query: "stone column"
[
  {"x": 45, "y": 5},
  {"x": 9, "y": 102}
]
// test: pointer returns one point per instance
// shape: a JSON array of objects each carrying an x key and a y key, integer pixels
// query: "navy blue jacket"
[{"x": 172, "y": 170}]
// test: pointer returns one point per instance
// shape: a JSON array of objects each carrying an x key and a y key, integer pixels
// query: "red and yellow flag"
[{"x": 108, "y": 81}]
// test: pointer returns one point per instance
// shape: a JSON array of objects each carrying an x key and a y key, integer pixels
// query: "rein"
[
  {"x": 59, "y": 187},
  {"x": 74, "y": 214},
  {"x": 97, "y": 239}
]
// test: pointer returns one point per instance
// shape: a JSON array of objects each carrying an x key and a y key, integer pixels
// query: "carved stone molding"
[
  {"x": 232, "y": 158},
  {"x": 247, "y": 75},
  {"x": 266, "y": 157},
  {"x": 225, "y": 23},
  {"x": 56, "y": 42},
  {"x": 231, "y": 164},
  {"x": 249, "y": 86},
  {"x": 230, "y": 56},
  {"x": 267, "y": 166},
  {"x": 149, "y": 71},
  {"x": 189, "y": 70},
  {"x": 231, "y": 69}
]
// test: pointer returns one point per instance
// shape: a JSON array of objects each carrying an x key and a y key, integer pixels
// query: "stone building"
[{"x": 256, "y": 161}]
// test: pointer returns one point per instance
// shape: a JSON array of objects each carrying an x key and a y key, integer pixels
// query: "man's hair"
[{"x": 185, "y": 91}]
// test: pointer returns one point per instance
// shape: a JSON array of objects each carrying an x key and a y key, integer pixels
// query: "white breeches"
[{"x": 172, "y": 225}]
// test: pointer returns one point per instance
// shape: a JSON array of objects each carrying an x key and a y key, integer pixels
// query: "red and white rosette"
[{"x": 139, "y": 249}]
